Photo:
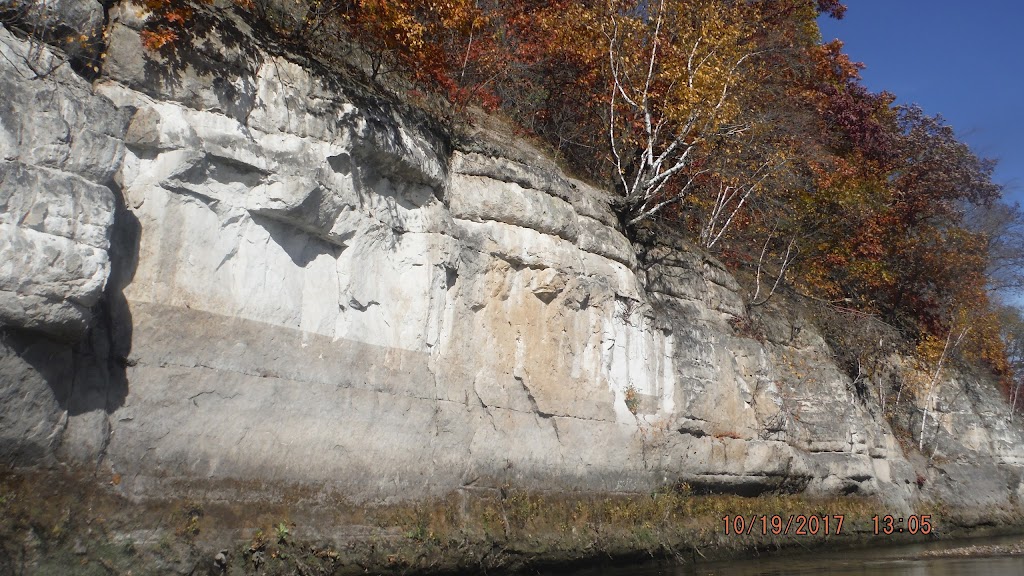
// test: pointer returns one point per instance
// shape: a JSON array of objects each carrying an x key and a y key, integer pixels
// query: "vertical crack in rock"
[{"x": 487, "y": 409}]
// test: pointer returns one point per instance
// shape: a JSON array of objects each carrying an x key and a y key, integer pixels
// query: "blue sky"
[{"x": 963, "y": 60}]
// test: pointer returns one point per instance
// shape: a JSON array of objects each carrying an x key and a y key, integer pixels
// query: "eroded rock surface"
[
  {"x": 321, "y": 290},
  {"x": 60, "y": 146}
]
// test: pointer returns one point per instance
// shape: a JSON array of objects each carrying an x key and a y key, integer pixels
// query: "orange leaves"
[
  {"x": 178, "y": 16},
  {"x": 154, "y": 40},
  {"x": 164, "y": 27},
  {"x": 833, "y": 66},
  {"x": 425, "y": 37}
]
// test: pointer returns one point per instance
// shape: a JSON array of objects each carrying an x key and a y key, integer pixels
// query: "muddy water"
[{"x": 909, "y": 560}]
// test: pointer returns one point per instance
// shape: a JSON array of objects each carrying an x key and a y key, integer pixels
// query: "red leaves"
[
  {"x": 857, "y": 120},
  {"x": 936, "y": 167},
  {"x": 178, "y": 16}
]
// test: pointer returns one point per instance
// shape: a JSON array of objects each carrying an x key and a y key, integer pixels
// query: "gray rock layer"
[{"x": 310, "y": 288}]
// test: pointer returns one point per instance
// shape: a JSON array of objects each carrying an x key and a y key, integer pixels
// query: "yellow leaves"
[
  {"x": 682, "y": 65},
  {"x": 421, "y": 35},
  {"x": 395, "y": 22},
  {"x": 457, "y": 15},
  {"x": 929, "y": 351},
  {"x": 698, "y": 55}
]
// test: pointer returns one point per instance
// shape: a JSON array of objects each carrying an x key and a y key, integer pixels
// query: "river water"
[{"x": 907, "y": 560}]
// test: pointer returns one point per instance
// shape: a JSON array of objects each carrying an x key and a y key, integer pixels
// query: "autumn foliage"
[{"x": 728, "y": 119}]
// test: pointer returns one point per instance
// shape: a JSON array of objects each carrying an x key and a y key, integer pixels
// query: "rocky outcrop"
[
  {"x": 266, "y": 274},
  {"x": 61, "y": 145}
]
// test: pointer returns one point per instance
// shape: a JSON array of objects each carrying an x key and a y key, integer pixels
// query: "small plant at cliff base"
[
  {"x": 518, "y": 507},
  {"x": 259, "y": 541},
  {"x": 191, "y": 513},
  {"x": 417, "y": 533},
  {"x": 282, "y": 532}
]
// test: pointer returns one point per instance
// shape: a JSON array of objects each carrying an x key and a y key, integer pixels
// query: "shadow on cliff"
[
  {"x": 210, "y": 47},
  {"x": 89, "y": 375},
  {"x": 302, "y": 244},
  {"x": 97, "y": 378},
  {"x": 102, "y": 357}
]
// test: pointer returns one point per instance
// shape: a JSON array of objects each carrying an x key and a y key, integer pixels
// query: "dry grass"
[{"x": 79, "y": 523}]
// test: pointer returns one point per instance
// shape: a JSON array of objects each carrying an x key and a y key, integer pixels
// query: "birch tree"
[
  {"x": 932, "y": 388},
  {"x": 677, "y": 68}
]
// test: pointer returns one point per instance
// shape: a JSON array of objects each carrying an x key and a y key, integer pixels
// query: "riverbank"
[
  {"x": 977, "y": 550},
  {"x": 64, "y": 523}
]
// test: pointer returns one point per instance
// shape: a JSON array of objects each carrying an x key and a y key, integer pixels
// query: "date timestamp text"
[
  {"x": 780, "y": 525},
  {"x": 913, "y": 524}
]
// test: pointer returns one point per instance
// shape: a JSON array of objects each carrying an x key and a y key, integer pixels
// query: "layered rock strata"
[{"x": 231, "y": 266}]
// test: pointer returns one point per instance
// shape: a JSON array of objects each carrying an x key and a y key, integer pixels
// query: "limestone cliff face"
[{"x": 234, "y": 267}]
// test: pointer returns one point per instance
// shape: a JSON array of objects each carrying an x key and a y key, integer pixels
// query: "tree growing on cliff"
[
  {"x": 676, "y": 69},
  {"x": 1012, "y": 326}
]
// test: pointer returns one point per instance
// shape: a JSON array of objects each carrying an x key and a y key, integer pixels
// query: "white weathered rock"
[
  {"x": 56, "y": 210},
  {"x": 605, "y": 241},
  {"x": 482, "y": 199}
]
